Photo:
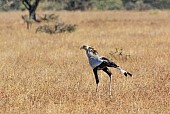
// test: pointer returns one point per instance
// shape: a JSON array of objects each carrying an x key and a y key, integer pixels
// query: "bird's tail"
[{"x": 124, "y": 72}]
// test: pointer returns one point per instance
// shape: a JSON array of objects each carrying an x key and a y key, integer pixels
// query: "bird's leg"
[
  {"x": 110, "y": 86},
  {"x": 97, "y": 79},
  {"x": 97, "y": 85},
  {"x": 124, "y": 72},
  {"x": 110, "y": 75}
]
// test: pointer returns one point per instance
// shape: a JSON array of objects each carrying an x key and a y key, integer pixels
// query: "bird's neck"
[{"x": 90, "y": 54}]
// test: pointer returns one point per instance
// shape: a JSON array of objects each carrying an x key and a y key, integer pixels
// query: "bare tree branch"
[
  {"x": 26, "y": 4},
  {"x": 36, "y": 4}
]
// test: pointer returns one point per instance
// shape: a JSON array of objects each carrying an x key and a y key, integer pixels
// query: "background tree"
[{"x": 31, "y": 6}]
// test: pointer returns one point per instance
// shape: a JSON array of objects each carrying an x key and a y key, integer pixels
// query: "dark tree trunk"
[
  {"x": 32, "y": 14},
  {"x": 31, "y": 8}
]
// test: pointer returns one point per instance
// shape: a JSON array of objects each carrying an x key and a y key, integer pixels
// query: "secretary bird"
[{"x": 101, "y": 63}]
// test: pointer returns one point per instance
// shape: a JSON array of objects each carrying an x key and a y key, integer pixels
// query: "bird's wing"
[
  {"x": 109, "y": 62},
  {"x": 104, "y": 58},
  {"x": 112, "y": 64}
]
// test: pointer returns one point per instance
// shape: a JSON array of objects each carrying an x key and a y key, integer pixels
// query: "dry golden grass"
[{"x": 41, "y": 73}]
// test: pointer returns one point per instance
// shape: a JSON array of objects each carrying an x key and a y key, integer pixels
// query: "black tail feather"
[{"x": 129, "y": 74}]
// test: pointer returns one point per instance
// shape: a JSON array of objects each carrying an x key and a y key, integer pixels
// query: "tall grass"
[{"x": 41, "y": 73}]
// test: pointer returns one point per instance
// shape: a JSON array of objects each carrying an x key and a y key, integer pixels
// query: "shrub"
[
  {"x": 12, "y": 5},
  {"x": 108, "y": 4},
  {"x": 54, "y": 6},
  {"x": 139, "y": 5},
  {"x": 54, "y": 25},
  {"x": 78, "y": 5},
  {"x": 159, "y": 4}
]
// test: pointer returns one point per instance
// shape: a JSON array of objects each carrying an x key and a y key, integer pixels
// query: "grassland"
[{"x": 48, "y": 74}]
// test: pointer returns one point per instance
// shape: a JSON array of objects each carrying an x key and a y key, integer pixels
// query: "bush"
[
  {"x": 108, "y": 4},
  {"x": 78, "y": 5},
  {"x": 54, "y": 6},
  {"x": 89, "y": 4},
  {"x": 17, "y": 5},
  {"x": 159, "y": 4},
  {"x": 146, "y": 4},
  {"x": 2, "y": 5},
  {"x": 54, "y": 25},
  {"x": 139, "y": 5}
]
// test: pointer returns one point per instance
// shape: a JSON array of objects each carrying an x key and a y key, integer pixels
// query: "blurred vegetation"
[
  {"x": 54, "y": 25},
  {"x": 6, "y": 5},
  {"x": 108, "y": 4}
]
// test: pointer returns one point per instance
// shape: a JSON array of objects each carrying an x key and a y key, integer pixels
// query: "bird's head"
[
  {"x": 89, "y": 48},
  {"x": 85, "y": 47}
]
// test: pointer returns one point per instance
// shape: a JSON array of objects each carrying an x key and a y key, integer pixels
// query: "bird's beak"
[{"x": 81, "y": 48}]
